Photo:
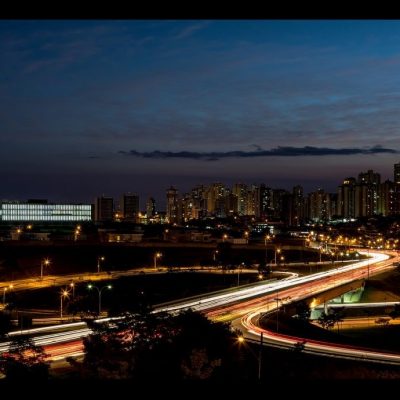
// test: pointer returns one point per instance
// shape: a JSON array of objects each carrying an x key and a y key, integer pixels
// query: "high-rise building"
[
  {"x": 231, "y": 204},
  {"x": 386, "y": 203},
  {"x": 265, "y": 202},
  {"x": 367, "y": 194},
  {"x": 215, "y": 195},
  {"x": 319, "y": 206},
  {"x": 240, "y": 191},
  {"x": 276, "y": 205},
  {"x": 173, "y": 212},
  {"x": 103, "y": 209},
  {"x": 346, "y": 203},
  {"x": 298, "y": 206},
  {"x": 396, "y": 190},
  {"x": 396, "y": 173},
  {"x": 150, "y": 207},
  {"x": 130, "y": 207},
  {"x": 252, "y": 200}
]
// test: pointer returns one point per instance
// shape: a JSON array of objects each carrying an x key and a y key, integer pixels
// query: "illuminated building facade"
[{"x": 43, "y": 212}]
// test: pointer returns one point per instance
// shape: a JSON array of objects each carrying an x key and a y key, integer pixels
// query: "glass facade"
[{"x": 45, "y": 212}]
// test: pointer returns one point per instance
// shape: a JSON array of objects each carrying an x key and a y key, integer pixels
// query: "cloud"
[
  {"x": 280, "y": 151},
  {"x": 191, "y": 29}
]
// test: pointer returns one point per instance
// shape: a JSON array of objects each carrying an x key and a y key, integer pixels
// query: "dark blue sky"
[{"x": 93, "y": 107}]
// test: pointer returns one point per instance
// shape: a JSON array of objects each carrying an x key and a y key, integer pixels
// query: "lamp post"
[
  {"x": 266, "y": 239},
  {"x": 72, "y": 284},
  {"x": 64, "y": 294},
  {"x": 215, "y": 252},
  {"x": 239, "y": 267},
  {"x": 77, "y": 232},
  {"x": 156, "y": 255},
  {"x": 43, "y": 263},
  {"x": 241, "y": 340},
  {"x": 90, "y": 286},
  {"x": 278, "y": 307},
  {"x": 99, "y": 259},
  {"x": 277, "y": 313},
  {"x": 4, "y": 293},
  {"x": 277, "y": 250}
]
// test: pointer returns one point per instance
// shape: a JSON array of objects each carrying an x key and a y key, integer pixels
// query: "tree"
[
  {"x": 24, "y": 360},
  {"x": 303, "y": 311},
  {"x": 331, "y": 319},
  {"x": 5, "y": 324},
  {"x": 395, "y": 313},
  {"x": 160, "y": 345}
]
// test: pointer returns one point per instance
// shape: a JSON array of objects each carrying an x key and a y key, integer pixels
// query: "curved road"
[{"x": 244, "y": 306}]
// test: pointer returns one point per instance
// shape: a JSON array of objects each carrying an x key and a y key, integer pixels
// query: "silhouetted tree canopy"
[
  {"x": 160, "y": 345},
  {"x": 24, "y": 360}
]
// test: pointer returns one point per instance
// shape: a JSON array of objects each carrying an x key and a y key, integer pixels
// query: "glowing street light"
[
  {"x": 90, "y": 286},
  {"x": 266, "y": 239},
  {"x": 215, "y": 252},
  {"x": 242, "y": 340},
  {"x": 72, "y": 285},
  {"x": 277, "y": 251},
  {"x": 156, "y": 255},
  {"x": 238, "y": 270},
  {"x": 77, "y": 232},
  {"x": 64, "y": 294},
  {"x": 43, "y": 263},
  {"x": 99, "y": 259},
  {"x": 4, "y": 293}
]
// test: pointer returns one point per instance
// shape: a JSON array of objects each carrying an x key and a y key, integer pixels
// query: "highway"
[
  {"x": 243, "y": 308},
  {"x": 252, "y": 331}
]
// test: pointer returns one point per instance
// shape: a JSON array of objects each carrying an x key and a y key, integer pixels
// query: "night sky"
[{"x": 113, "y": 106}]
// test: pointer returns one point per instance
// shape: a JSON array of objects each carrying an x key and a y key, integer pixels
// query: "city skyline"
[{"x": 93, "y": 107}]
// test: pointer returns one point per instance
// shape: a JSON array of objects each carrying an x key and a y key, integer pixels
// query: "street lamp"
[
  {"x": 64, "y": 294},
  {"x": 4, "y": 293},
  {"x": 72, "y": 285},
  {"x": 277, "y": 250},
  {"x": 278, "y": 307},
  {"x": 266, "y": 239},
  {"x": 99, "y": 259},
  {"x": 242, "y": 340},
  {"x": 43, "y": 263},
  {"x": 156, "y": 255},
  {"x": 239, "y": 267},
  {"x": 215, "y": 252},
  {"x": 90, "y": 286},
  {"x": 224, "y": 237}
]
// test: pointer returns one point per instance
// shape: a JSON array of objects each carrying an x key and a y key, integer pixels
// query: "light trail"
[
  {"x": 317, "y": 347},
  {"x": 358, "y": 270},
  {"x": 253, "y": 331},
  {"x": 235, "y": 304}
]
